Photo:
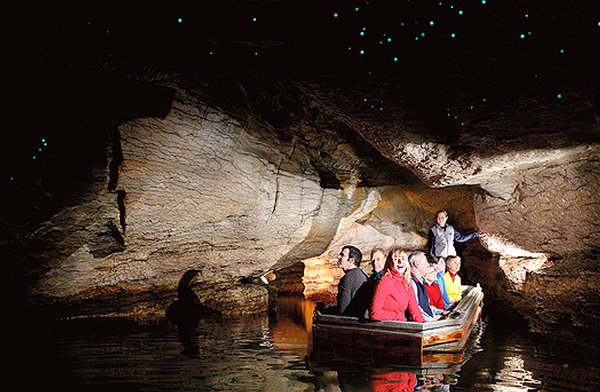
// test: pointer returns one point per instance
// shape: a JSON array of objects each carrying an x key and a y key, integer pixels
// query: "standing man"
[
  {"x": 354, "y": 291},
  {"x": 443, "y": 235}
]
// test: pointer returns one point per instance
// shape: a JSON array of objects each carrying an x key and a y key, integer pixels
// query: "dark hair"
[
  {"x": 432, "y": 259},
  {"x": 354, "y": 253}
]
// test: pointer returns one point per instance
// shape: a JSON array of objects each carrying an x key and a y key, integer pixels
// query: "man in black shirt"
[{"x": 353, "y": 289}]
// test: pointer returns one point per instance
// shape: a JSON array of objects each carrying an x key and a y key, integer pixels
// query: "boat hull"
[{"x": 408, "y": 343}]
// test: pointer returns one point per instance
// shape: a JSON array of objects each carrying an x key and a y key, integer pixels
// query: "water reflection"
[
  {"x": 272, "y": 353},
  {"x": 292, "y": 325},
  {"x": 394, "y": 381},
  {"x": 513, "y": 376}
]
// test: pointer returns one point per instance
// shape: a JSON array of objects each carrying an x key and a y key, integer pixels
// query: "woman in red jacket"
[{"x": 394, "y": 294}]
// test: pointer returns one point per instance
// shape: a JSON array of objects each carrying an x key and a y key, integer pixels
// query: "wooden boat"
[{"x": 432, "y": 344}]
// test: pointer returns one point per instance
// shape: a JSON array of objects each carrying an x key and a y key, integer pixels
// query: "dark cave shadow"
[{"x": 186, "y": 312}]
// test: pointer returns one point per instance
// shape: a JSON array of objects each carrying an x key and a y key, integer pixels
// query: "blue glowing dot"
[
  {"x": 43, "y": 140},
  {"x": 179, "y": 20},
  {"x": 254, "y": 19},
  {"x": 460, "y": 12},
  {"x": 362, "y": 33},
  {"x": 365, "y": 99},
  {"x": 522, "y": 36},
  {"x": 395, "y": 59},
  {"x": 12, "y": 178},
  {"x": 562, "y": 51},
  {"x": 356, "y": 9},
  {"x": 335, "y": 14},
  {"x": 40, "y": 149},
  {"x": 451, "y": 7},
  {"x": 598, "y": 23},
  {"x": 416, "y": 38},
  {"x": 529, "y": 33},
  {"x": 431, "y": 23},
  {"x": 558, "y": 96},
  {"x": 448, "y": 114},
  {"x": 422, "y": 34},
  {"x": 362, "y": 51},
  {"x": 389, "y": 39},
  {"x": 462, "y": 124},
  {"x": 34, "y": 157},
  {"x": 453, "y": 35},
  {"x": 483, "y": 1}
]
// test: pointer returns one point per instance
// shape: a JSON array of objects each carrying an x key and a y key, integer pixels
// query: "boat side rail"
[{"x": 472, "y": 297}]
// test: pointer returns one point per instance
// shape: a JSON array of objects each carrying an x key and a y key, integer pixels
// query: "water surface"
[{"x": 272, "y": 353}]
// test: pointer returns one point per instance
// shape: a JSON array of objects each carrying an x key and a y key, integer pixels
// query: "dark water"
[{"x": 272, "y": 354}]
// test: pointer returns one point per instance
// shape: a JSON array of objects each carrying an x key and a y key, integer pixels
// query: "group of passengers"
[{"x": 404, "y": 285}]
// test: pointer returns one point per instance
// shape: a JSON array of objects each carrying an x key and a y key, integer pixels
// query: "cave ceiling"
[{"x": 478, "y": 82}]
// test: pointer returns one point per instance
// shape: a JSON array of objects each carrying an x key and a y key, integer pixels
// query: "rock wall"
[
  {"x": 234, "y": 198},
  {"x": 199, "y": 191}
]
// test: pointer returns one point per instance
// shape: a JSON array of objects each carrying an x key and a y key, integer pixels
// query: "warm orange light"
[{"x": 321, "y": 277}]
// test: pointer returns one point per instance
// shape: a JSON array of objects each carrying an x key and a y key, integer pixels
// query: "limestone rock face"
[
  {"x": 199, "y": 192},
  {"x": 552, "y": 209}
]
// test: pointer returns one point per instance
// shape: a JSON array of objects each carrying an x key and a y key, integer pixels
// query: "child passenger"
[
  {"x": 453, "y": 281},
  {"x": 433, "y": 289},
  {"x": 440, "y": 267}
]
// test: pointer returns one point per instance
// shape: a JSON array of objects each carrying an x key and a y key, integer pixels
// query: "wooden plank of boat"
[
  {"x": 331, "y": 341},
  {"x": 455, "y": 345},
  {"x": 467, "y": 311}
]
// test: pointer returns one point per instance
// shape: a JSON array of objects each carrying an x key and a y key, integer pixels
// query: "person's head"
[
  {"x": 418, "y": 263},
  {"x": 441, "y": 218},
  {"x": 453, "y": 264},
  {"x": 377, "y": 259},
  {"x": 349, "y": 258},
  {"x": 397, "y": 262},
  {"x": 440, "y": 265},
  {"x": 430, "y": 274}
]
